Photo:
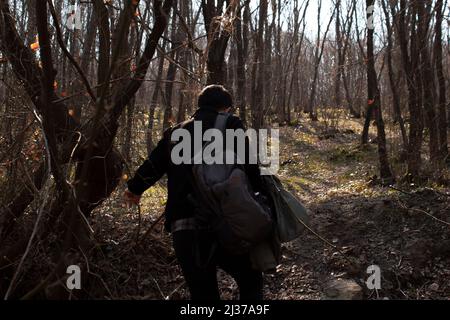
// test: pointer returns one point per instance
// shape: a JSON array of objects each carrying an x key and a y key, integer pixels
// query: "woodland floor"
[{"x": 406, "y": 233}]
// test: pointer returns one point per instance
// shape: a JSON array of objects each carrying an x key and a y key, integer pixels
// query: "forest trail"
[
  {"x": 88, "y": 88},
  {"x": 404, "y": 232}
]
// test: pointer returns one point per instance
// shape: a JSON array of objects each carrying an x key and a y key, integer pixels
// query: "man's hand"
[{"x": 130, "y": 199}]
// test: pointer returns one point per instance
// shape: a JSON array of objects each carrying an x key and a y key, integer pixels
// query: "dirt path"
[
  {"x": 372, "y": 225},
  {"x": 406, "y": 234}
]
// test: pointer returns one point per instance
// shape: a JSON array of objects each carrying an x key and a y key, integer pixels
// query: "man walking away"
[{"x": 196, "y": 249}]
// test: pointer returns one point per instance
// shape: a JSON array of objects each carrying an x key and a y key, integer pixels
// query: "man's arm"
[{"x": 152, "y": 169}]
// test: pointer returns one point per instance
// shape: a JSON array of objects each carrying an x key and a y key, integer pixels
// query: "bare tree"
[
  {"x": 242, "y": 22},
  {"x": 97, "y": 164},
  {"x": 392, "y": 79},
  {"x": 259, "y": 69},
  {"x": 317, "y": 58},
  {"x": 218, "y": 28},
  {"x": 442, "y": 105},
  {"x": 410, "y": 61},
  {"x": 374, "y": 97},
  {"x": 427, "y": 77}
]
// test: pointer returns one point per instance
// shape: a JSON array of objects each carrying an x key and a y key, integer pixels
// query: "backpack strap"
[{"x": 221, "y": 121}]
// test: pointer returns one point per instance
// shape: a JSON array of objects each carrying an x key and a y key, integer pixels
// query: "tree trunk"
[
  {"x": 217, "y": 38},
  {"x": 374, "y": 95},
  {"x": 258, "y": 107},
  {"x": 392, "y": 80},
  {"x": 241, "y": 46},
  {"x": 340, "y": 62},
  {"x": 427, "y": 78},
  {"x": 410, "y": 62},
  {"x": 443, "y": 126},
  {"x": 98, "y": 167},
  {"x": 171, "y": 73},
  {"x": 317, "y": 59},
  {"x": 104, "y": 49}
]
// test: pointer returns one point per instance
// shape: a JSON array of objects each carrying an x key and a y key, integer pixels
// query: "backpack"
[
  {"x": 228, "y": 206},
  {"x": 291, "y": 216},
  {"x": 291, "y": 219}
]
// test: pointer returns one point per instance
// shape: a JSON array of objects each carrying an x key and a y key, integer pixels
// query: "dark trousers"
[{"x": 199, "y": 266}]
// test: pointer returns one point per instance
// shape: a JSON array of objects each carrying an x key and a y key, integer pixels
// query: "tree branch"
[
  {"x": 67, "y": 53},
  {"x": 161, "y": 21}
]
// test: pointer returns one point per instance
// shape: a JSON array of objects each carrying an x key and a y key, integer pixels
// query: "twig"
[
  {"x": 36, "y": 289},
  {"x": 418, "y": 195},
  {"x": 17, "y": 140},
  {"x": 67, "y": 53},
  {"x": 191, "y": 43},
  {"x": 175, "y": 290},
  {"x": 154, "y": 224},
  {"x": 138, "y": 231},
  {"x": 160, "y": 291},
  {"x": 422, "y": 211},
  {"x": 95, "y": 274},
  {"x": 38, "y": 219},
  {"x": 430, "y": 215}
]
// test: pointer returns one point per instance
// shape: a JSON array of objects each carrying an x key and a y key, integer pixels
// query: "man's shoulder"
[
  {"x": 234, "y": 122},
  {"x": 181, "y": 125}
]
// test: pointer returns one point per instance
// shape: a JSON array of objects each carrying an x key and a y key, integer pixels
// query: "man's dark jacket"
[{"x": 179, "y": 204}]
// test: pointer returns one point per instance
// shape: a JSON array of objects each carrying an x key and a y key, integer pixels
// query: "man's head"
[{"x": 215, "y": 97}]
